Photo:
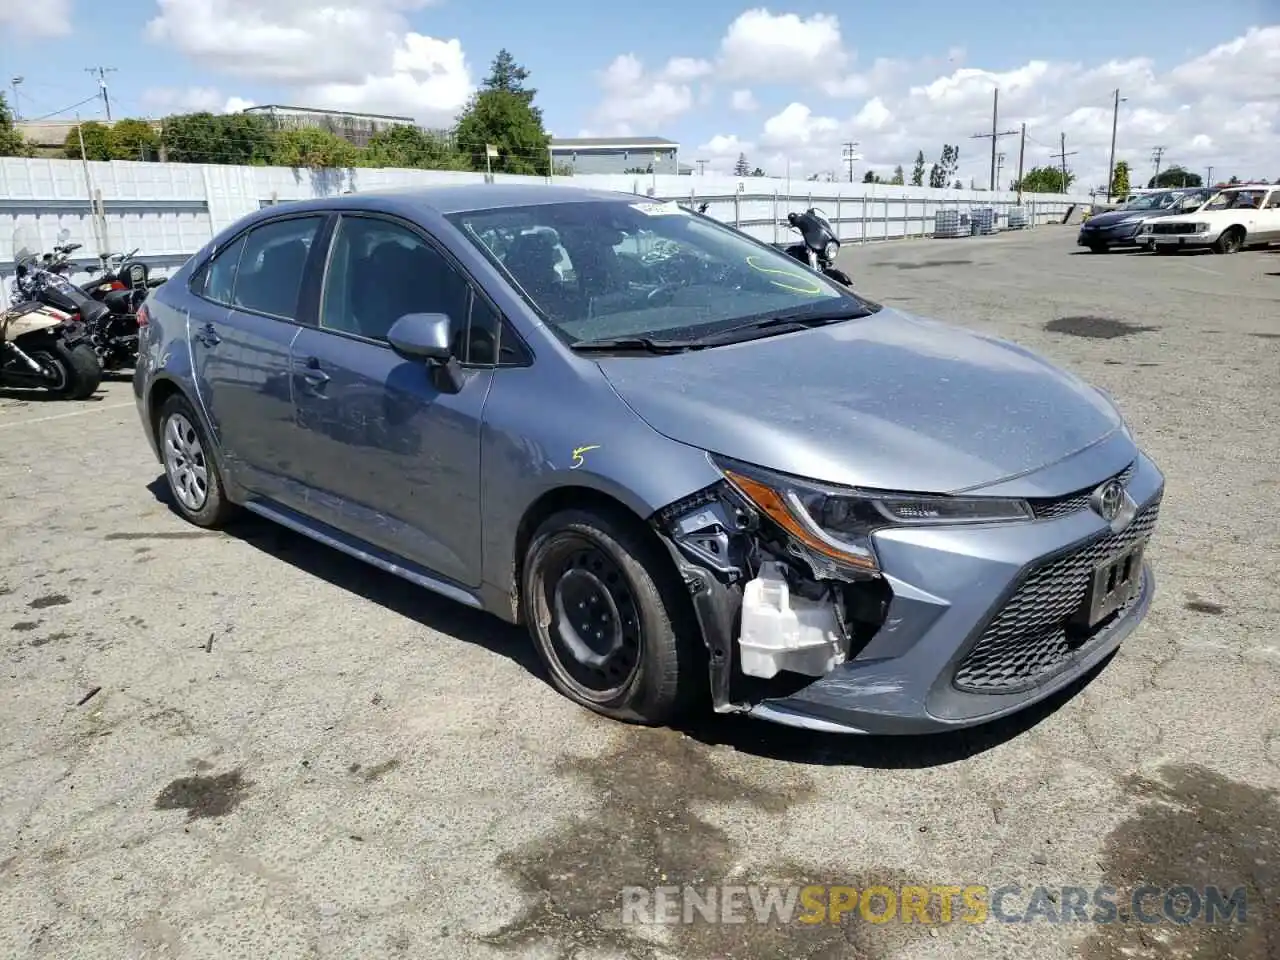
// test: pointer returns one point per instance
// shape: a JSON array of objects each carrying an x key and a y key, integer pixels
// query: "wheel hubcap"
[
  {"x": 595, "y": 624},
  {"x": 54, "y": 370},
  {"x": 184, "y": 462}
]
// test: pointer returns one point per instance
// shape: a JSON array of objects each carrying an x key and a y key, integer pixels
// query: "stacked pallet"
[
  {"x": 1018, "y": 218},
  {"x": 948, "y": 225},
  {"x": 984, "y": 221}
]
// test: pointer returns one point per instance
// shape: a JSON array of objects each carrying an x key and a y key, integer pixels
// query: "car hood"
[
  {"x": 1117, "y": 217},
  {"x": 892, "y": 402}
]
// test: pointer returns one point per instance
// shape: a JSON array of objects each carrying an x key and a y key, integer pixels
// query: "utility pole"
[
  {"x": 999, "y": 165},
  {"x": 850, "y": 155},
  {"x": 1063, "y": 157},
  {"x": 15, "y": 82},
  {"x": 994, "y": 135},
  {"x": 1111, "y": 167},
  {"x": 1022, "y": 152},
  {"x": 702, "y": 167},
  {"x": 101, "y": 73},
  {"x": 1208, "y": 180},
  {"x": 1157, "y": 153}
]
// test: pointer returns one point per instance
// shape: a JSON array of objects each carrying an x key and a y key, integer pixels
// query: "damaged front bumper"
[{"x": 961, "y": 625}]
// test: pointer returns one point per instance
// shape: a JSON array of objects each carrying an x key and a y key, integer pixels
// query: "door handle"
[
  {"x": 312, "y": 373},
  {"x": 208, "y": 335}
]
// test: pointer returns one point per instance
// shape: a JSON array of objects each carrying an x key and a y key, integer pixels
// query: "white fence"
[{"x": 169, "y": 210}]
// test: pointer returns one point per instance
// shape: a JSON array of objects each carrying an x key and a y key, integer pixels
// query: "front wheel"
[
  {"x": 1230, "y": 241},
  {"x": 74, "y": 372},
  {"x": 604, "y": 608},
  {"x": 1098, "y": 248}
]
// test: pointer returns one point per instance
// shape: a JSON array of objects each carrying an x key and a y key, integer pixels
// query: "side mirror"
[
  {"x": 425, "y": 337},
  {"x": 421, "y": 336}
]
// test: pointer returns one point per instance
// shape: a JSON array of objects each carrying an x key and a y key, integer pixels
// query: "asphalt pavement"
[{"x": 244, "y": 745}]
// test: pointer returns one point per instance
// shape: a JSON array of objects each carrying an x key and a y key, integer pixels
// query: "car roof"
[{"x": 460, "y": 197}]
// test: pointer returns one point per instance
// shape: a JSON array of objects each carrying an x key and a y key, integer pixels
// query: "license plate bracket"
[{"x": 1114, "y": 583}]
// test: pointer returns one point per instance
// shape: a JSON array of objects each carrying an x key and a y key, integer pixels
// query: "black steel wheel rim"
[
  {"x": 53, "y": 368},
  {"x": 594, "y": 630}
]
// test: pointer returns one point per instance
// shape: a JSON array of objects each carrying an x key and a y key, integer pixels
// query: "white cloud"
[
  {"x": 49, "y": 19},
  {"x": 634, "y": 96},
  {"x": 722, "y": 152},
  {"x": 169, "y": 100},
  {"x": 744, "y": 101},
  {"x": 1219, "y": 108},
  {"x": 781, "y": 47},
  {"x": 344, "y": 53}
]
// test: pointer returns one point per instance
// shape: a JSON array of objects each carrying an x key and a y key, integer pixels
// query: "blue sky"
[{"x": 568, "y": 49}]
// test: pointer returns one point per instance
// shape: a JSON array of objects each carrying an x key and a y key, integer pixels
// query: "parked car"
[
  {"x": 1123, "y": 227},
  {"x": 695, "y": 468},
  {"x": 1232, "y": 219}
]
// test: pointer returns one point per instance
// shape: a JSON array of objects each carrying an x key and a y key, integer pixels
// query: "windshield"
[
  {"x": 1153, "y": 201},
  {"x": 601, "y": 269},
  {"x": 26, "y": 242},
  {"x": 1235, "y": 200}
]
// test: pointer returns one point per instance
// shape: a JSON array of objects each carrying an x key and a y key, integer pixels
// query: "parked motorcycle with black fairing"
[
  {"x": 121, "y": 284},
  {"x": 819, "y": 246},
  {"x": 43, "y": 346}
]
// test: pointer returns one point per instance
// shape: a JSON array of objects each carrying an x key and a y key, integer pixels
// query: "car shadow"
[
  {"x": 744, "y": 734},
  {"x": 364, "y": 580},
  {"x": 909, "y": 752},
  {"x": 41, "y": 395}
]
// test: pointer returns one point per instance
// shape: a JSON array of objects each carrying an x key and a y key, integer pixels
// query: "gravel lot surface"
[{"x": 243, "y": 745}]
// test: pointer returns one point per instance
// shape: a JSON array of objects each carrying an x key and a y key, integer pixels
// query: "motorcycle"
[
  {"x": 819, "y": 248},
  {"x": 42, "y": 346},
  {"x": 122, "y": 285}
]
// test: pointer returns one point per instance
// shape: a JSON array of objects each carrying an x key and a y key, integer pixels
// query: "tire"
[
  {"x": 1231, "y": 241},
  {"x": 1165, "y": 251},
  {"x": 1098, "y": 248},
  {"x": 195, "y": 483},
  {"x": 653, "y": 671},
  {"x": 77, "y": 369}
]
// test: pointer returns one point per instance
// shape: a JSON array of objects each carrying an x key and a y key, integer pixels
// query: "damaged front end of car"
[{"x": 782, "y": 598}]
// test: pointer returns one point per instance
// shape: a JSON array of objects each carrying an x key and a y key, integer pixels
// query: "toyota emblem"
[{"x": 1108, "y": 499}]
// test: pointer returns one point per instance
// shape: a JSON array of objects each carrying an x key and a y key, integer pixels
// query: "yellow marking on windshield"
[{"x": 813, "y": 289}]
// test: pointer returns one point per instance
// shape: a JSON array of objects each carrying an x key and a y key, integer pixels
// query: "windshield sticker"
[
  {"x": 577, "y": 455},
  {"x": 799, "y": 283},
  {"x": 668, "y": 209}
]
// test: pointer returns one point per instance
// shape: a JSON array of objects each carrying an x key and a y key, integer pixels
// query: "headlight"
[
  {"x": 837, "y": 522},
  {"x": 1202, "y": 228},
  {"x": 832, "y": 250}
]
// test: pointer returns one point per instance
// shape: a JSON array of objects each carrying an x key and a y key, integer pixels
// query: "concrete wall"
[{"x": 170, "y": 210}]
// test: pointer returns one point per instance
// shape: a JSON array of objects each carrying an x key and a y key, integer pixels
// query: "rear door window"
[
  {"x": 217, "y": 280},
  {"x": 272, "y": 265}
]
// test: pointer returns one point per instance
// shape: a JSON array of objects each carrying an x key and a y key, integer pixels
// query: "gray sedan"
[{"x": 702, "y": 474}]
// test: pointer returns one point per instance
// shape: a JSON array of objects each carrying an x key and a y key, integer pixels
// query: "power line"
[
  {"x": 995, "y": 134},
  {"x": 850, "y": 155},
  {"x": 63, "y": 110},
  {"x": 1157, "y": 154}
]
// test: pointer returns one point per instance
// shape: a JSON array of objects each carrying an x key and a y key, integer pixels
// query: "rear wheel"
[
  {"x": 605, "y": 615},
  {"x": 74, "y": 372},
  {"x": 1232, "y": 240},
  {"x": 1098, "y": 248},
  {"x": 194, "y": 480}
]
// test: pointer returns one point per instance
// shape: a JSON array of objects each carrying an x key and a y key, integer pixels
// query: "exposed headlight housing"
[
  {"x": 838, "y": 522},
  {"x": 1202, "y": 228},
  {"x": 832, "y": 249}
]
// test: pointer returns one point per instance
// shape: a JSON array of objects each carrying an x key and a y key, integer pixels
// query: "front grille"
[
  {"x": 1051, "y": 508},
  {"x": 1028, "y": 640},
  {"x": 1168, "y": 228}
]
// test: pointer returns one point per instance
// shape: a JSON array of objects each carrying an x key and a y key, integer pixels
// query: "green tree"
[
  {"x": 1044, "y": 180},
  {"x": 1176, "y": 176},
  {"x": 241, "y": 138},
  {"x": 502, "y": 114},
  {"x": 98, "y": 142},
  {"x": 1120, "y": 179},
  {"x": 248, "y": 139},
  {"x": 898, "y": 179},
  {"x": 917, "y": 172},
  {"x": 406, "y": 146},
  {"x": 741, "y": 168},
  {"x": 12, "y": 143},
  {"x": 314, "y": 148},
  {"x": 1234, "y": 179},
  {"x": 133, "y": 139}
]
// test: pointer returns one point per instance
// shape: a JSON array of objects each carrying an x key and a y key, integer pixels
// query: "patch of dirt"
[
  {"x": 203, "y": 797},
  {"x": 49, "y": 600},
  {"x": 921, "y": 264},
  {"x": 644, "y": 832},
  {"x": 1194, "y": 829},
  {"x": 1095, "y": 328}
]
